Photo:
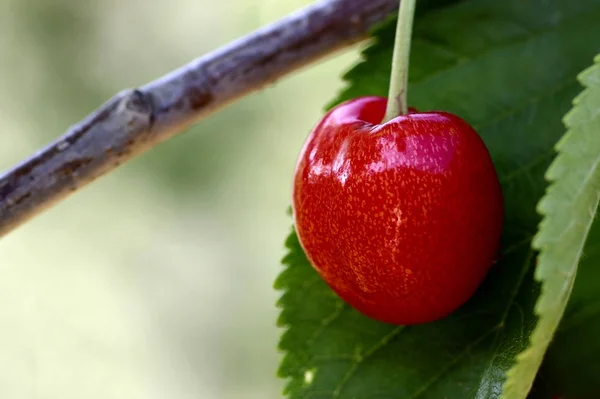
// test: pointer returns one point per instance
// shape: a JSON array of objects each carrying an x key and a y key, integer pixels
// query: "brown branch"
[{"x": 136, "y": 120}]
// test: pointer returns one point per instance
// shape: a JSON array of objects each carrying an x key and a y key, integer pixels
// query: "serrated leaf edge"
[{"x": 549, "y": 307}]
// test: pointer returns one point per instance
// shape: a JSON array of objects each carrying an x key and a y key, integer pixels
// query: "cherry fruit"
[{"x": 401, "y": 219}]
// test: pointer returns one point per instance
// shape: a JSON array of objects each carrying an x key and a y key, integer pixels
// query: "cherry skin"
[{"x": 401, "y": 219}]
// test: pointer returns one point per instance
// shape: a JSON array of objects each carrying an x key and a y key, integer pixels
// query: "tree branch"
[{"x": 136, "y": 120}]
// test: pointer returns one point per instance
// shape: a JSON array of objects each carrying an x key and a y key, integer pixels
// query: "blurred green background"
[{"x": 155, "y": 281}]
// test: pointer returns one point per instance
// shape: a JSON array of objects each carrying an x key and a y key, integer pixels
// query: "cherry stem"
[{"x": 397, "y": 104}]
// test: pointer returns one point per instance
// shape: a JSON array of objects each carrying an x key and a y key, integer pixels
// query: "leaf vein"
[{"x": 355, "y": 366}]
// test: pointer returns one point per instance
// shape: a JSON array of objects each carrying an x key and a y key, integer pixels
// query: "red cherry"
[{"x": 402, "y": 219}]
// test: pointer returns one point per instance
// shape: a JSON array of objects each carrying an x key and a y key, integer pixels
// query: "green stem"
[{"x": 397, "y": 103}]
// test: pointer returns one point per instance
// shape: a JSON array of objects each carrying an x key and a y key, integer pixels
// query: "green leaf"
[
  {"x": 571, "y": 366},
  {"x": 509, "y": 69},
  {"x": 569, "y": 208}
]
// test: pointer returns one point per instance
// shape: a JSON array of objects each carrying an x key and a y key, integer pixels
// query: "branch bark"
[{"x": 136, "y": 120}]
